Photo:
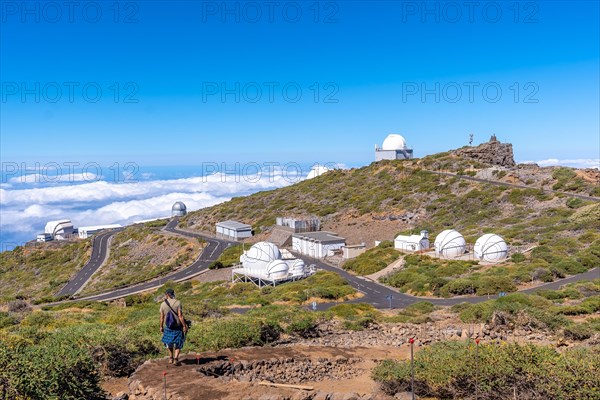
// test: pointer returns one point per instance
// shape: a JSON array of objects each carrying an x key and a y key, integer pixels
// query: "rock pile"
[
  {"x": 492, "y": 152},
  {"x": 283, "y": 370}
]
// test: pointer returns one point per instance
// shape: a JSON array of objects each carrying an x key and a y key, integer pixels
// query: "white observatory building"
[
  {"x": 59, "y": 230},
  {"x": 450, "y": 244},
  {"x": 178, "y": 210},
  {"x": 393, "y": 148},
  {"x": 491, "y": 248},
  {"x": 412, "y": 243},
  {"x": 264, "y": 264}
]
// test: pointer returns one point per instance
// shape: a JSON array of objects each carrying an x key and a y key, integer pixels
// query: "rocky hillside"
[
  {"x": 40, "y": 269},
  {"x": 378, "y": 201}
]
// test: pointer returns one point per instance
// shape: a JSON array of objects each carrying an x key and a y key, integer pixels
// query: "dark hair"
[{"x": 170, "y": 292}]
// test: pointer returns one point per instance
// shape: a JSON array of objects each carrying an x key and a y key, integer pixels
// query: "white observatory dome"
[
  {"x": 317, "y": 170},
  {"x": 297, "y": 267},
  {"x": 179, "y": 209},
  {"x": 260, "y": 255},
  {"x": 394, "y": 142},
  {"x": 450, "y": 244},
  {"x": 491, "y": 248},
  {"x": 277, "y": 269}
]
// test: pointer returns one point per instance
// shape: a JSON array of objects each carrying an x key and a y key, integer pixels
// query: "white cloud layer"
[
  {"x": 574, "y": 163},
  {"x": 100, "y": 202}
]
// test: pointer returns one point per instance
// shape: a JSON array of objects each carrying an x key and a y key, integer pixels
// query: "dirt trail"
[{"x": 185, "y": 382}]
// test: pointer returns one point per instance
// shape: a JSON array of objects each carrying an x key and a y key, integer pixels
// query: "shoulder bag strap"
[{"x": 176, "y": 315}]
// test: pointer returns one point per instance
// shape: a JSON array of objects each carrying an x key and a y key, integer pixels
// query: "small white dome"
[
  {"x": 317, "y": 170},
  {"x": 297, "y": 267},
  {"x": 394, "y": 142},
  {"x": 277, "y": 269},
  {"x": 491, "y": 248},
  {"x": 450, "y": 244}
]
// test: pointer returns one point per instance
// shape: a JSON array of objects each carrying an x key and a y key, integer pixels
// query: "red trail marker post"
[
  {"x": 165, "y": 383},
  {"x": 412, "y": 367}
]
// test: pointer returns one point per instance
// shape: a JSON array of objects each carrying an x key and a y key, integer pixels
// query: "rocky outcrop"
[{"x": 493, "y": 153}]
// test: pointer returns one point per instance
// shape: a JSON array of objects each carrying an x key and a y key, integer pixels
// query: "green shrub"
[
  {"x": 56, "y": 369},
  {"x": 225, "y": 333},
  {"x": 517, "y": 257},
  {"x": 372, "y": 260},
  {"x": 578, "y": 332},
  {"x": 216, "y": 265},
  {"x": 450, "y": 370},
  {"x": 230, "y": 256}
]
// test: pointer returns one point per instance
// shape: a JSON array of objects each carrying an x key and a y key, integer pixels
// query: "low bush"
[
  {"x": 52, "y": 370},
  {"x": 449, "y": 370}
]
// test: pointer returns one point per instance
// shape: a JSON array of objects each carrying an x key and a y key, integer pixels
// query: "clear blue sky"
[{"x": 369, "y": 56}]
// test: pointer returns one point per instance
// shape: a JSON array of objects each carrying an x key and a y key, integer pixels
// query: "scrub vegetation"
[
  {"x": 423, "y": 275},
  {"x": 40, "y": 269},
  {"x": 73, "y": 345},
  {"x": 451, "y": 370},
  {"x": 140, "y": 253},
  {"x": 373, "y": 260}
]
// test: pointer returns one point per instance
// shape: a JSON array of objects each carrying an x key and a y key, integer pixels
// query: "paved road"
[
  {"x": 99, "y": 253},
  {"x": 374, "y": 293},
  {"x": 377, "y": 294},
  {"x": 211, "y": 252}
]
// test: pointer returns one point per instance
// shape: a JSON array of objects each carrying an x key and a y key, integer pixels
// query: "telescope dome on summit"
[
  {"x": 179, "y": 209},
  {"x": 394, "y": 142}
]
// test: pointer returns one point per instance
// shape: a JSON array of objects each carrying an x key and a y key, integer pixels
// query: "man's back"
[{"x": 175, "y": 305}]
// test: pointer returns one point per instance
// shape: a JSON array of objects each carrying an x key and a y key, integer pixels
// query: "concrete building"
[
  {"x": 59, "y": 230},
  {"x": 412, "y": 243},
  {"x": 44, "y": 237},
  {"x": 298, "y": 225},
  {"x": 352, "y": 251},
  {"x": 178, "y": 210},
  {"x": 317, "y": 244},
  {"x": 393, "y": 148},
  {"x": 87, "y": 231},
  {"x": 233, "y": 230}
]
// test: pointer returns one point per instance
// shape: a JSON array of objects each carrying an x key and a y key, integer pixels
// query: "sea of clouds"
[{"x": 29, "y": 201}]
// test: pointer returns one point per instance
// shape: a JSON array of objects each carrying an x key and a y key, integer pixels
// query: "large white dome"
[
  {"x": 394, "y": 142},
  {"x": 491, "y": 248},
  {"x": 450, "y": 244},
  {"x": 260, "y": 254}
]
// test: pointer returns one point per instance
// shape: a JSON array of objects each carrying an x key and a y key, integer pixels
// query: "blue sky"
[
  {"x": 185, "y": 83},
  {"x": 370, "y": 54}
]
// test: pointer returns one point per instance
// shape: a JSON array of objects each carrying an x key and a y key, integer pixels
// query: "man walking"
[{"x": 172, "y": 326}]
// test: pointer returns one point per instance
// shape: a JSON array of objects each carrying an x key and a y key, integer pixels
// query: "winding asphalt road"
[
  {"x": 378, "y": 295},
  {"x": 214, "y": 248},
  {"x": 100, "y": 246},
  {"x": 373, "y": 293}
]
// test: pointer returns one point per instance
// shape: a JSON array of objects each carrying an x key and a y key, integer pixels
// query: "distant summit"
[{"x": 493, "y": 152}]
